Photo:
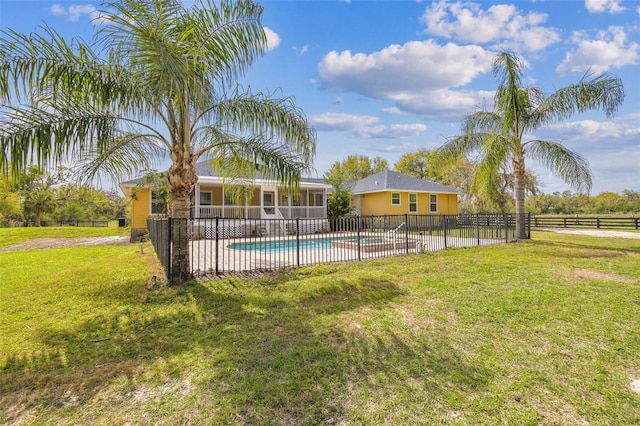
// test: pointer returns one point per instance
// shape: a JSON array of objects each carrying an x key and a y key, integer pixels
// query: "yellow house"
[
  {"x": 265, "y": 200},
  {"x": 392, "y": 193}
]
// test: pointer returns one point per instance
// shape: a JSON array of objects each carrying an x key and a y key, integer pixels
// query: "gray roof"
[
  {"x": 388, "y": 180},
  {"x": 203, "y": 168}
]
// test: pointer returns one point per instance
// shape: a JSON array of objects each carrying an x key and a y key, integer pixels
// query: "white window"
[
  {"x": 413, "y": 203},
  {"x": 395, "y": 198},
  {"x": 206, "y": 198},
  {"x": 433, "y": 203},
  {"x": 158, "y": 204}
]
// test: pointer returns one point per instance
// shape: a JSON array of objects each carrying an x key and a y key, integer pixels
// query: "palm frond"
[
  {"x": 604, "y": 92},
  {"x": 32, "y": 135},
  {"x": 123, "y": 155},
  {"x": 245, "y": 159},
  {"x": 570, "y": 166},
  {"x": 271, "y": 119}
]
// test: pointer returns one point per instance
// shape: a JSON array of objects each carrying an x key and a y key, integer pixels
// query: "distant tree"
[
  {"x": 37, "y": 203},
  {"x": 414, "y": 164},
  {"x": 35, "y": 188},
  {"x": 498, "y": 136},
  {"x": 339, "y": 199},
  {"x": 356, "y": 167},
  {"x": 10, "y": 206}
]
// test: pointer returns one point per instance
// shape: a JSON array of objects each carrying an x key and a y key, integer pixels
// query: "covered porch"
[{"x": 210, "y": 200}]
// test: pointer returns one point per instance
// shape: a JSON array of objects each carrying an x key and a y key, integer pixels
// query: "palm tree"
[
  {"x": 498, "y": 136},
  {"x": 159, "y": 78}
]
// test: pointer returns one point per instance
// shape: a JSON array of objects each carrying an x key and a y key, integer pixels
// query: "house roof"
[
  {"x": 204, "y": 170},
  {"x": 388, "y": 180}
]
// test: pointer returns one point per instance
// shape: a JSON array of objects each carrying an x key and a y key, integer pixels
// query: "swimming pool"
[{"x": 305, "y": 244}]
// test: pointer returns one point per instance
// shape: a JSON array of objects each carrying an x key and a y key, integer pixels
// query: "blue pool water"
[{"x": 305, "y": 244}]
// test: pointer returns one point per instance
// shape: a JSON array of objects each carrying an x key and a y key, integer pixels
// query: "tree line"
[
  {"x": 424, "y": 164},
  {"x": 35, "y": 197}
]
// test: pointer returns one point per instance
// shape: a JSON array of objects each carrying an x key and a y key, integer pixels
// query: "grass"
[
  {"x": 10, "y": 236},
  {"x": 540, "y": 332}
]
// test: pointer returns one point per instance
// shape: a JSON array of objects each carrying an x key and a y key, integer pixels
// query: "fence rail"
[
  {"x": 585, "y": 222},
  {"x": 218, "y": 246}
]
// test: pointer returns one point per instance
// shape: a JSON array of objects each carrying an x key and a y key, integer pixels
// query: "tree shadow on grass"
[{"x": 267, "y": 355}]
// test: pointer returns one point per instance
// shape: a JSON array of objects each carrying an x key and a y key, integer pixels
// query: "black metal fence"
[{"x": 219, "y": 246}]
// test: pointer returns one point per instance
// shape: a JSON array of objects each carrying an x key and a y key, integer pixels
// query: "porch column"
[
  {"x": 196, "y": 201},
  {"x": 223, "y": 197}
]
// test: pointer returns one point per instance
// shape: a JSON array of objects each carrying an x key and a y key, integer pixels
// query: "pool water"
[{"x": 305, "y": 244}]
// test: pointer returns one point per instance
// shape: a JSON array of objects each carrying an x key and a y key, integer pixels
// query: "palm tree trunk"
[
  {"x": 519, "y": 185},
  {"x": 181, "y": 178},
  {"x": 36, "y": 218}
]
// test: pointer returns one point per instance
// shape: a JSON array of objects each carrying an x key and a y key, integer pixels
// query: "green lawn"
[
  {"x": 10, "y": 236},
  {"x": 541, "y": 332}
]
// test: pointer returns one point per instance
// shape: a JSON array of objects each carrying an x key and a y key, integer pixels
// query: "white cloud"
[
  {"x": 273, "y": 39},
  {"x": 611, "y": 147},
  {"x": 361, "y": 126},
  {"x": 340, "y": 121},
  {"x": 592, "y": 131},
  {"x": 418, "y": 76},
  {"x": 392, "y": 131},
  {"x": 75, "y": 11},
  {"x": 600, "y": 6},
  {"x": 609, "y": 50},
  {"x": 499, "y": 24}
]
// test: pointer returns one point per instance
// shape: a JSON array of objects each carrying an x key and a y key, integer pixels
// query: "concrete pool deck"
[{"x": 204, "y": 254}]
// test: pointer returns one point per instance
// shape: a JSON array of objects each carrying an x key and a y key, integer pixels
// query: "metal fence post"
[
  {"x": 169, "y": 246},
  {"x": 298, "y": 241},
  {"x": 217, "y": 240},
  {"x": 444, "y": 228},
  {"x": 358, "y": 235},
  {"x": 478, "y": 226},
  {"x": 406, "y": 233},
  {"x": 506, "y": 228}
]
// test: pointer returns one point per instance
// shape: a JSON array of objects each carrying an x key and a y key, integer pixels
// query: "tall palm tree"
[
  {"x": 498, "y": 136},
  {"x": 159, "y": 78}
]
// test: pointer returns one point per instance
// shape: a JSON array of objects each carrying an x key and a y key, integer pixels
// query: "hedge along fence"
[{"x": 242, "y": 246}]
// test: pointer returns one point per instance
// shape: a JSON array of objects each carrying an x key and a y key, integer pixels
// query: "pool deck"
[{"x": 204, "y": 255}]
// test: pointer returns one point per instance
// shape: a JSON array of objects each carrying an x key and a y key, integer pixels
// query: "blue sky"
[{"x": 383, "y": 78}]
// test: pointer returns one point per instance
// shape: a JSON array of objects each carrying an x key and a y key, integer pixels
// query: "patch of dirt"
[
  {"x": 51, "y": 243},
  {"x": 635, "y": 385},
  {"x": 597, "y": 275}
]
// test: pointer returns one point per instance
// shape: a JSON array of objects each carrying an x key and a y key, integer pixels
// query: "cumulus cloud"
[
  {"x": 75, "y": 11},
  {"x": 273, "y": 39},
  {"x": 610, "y": 146},
  {"x": 500, "y": 24},
  {"x": 598, "y": 131},
  {"x": 361, "y": 126},
  {"x": 610, "y": 49},
  {"x": 340, "y": 121},
  {"x": 600, "y": 6},
  {"x": 418, "y": 76},
  {"x": 393, "y": 131}
]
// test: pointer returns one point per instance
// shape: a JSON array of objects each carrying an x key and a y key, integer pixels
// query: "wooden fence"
[{"x": 620, "y": 222}]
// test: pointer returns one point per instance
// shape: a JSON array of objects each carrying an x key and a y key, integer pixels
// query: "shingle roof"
[
  {"x": 388, "y": 180},
  {"x": 203, "y": 168}
]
